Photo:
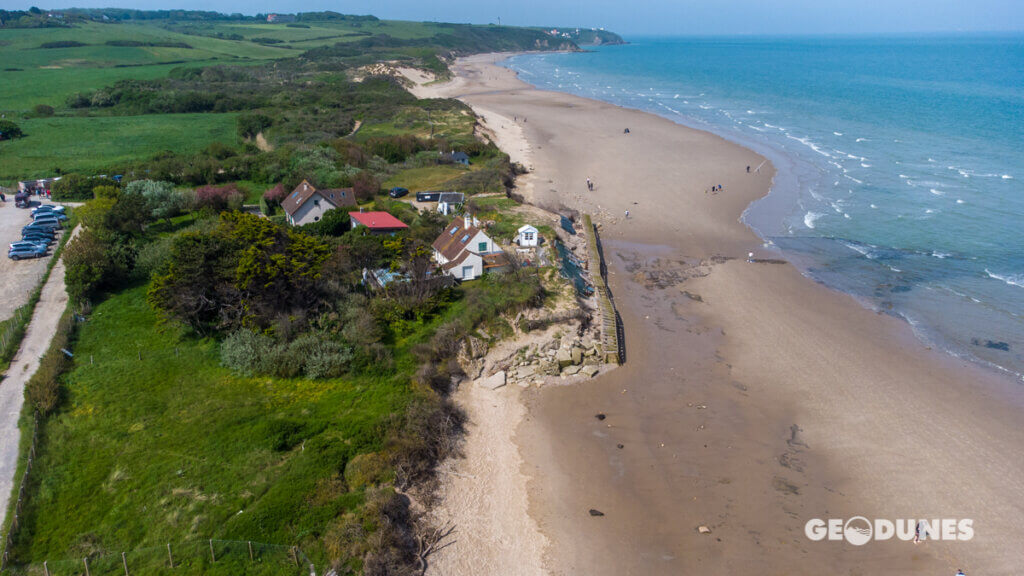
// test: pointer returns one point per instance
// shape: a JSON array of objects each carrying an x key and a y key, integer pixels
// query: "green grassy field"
[
  {"x": 426, "y": 178},
  {"x": 173, "y": 447},
  {"x": 32, "y": 75},
  {"x": 89, "y": 144}
]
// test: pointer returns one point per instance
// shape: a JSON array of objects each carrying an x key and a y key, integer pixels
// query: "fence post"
[
  {"x": 213, "y": 556},
  {"x": 251, "y": 558},
  {"x": 169, "y": 557},
  {"x": 295, "y": 555},
  {"x": 124, "y": 561},
  {"x": 46, "y": 569},
  {"x": 86, "y": 562}
]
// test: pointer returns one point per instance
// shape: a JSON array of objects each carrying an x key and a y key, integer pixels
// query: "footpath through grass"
[{"x": 173, "y": 447}]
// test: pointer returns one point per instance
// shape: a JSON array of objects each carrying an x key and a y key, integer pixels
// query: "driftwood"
[{"x": 432, "y": 542}]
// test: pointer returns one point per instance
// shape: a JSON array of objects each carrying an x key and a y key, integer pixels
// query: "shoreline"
[{"x": 755, "y": 437}]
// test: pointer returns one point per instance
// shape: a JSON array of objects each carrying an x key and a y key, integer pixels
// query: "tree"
[
  {"x": 85, "y": 262},
  {"x": 162, "y": 200},
  {"x": 42, "y": 110},
  {"x": 9, "y": 130},
  {"x": 192, "y": 289},
  {"x": 365, "y": 185},
  {"x": 78, "y": 186}
]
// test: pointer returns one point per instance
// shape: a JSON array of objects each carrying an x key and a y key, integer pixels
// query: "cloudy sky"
[{"x": 646, "y": 16}]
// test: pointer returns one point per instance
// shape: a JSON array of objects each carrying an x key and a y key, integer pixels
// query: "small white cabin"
[{"x": 527, "y": 237}]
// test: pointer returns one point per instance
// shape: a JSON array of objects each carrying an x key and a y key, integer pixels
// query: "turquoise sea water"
[{"x": 901, "y": 161}]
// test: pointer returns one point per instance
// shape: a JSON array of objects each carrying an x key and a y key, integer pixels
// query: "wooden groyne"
[{"x": 613, "y": 345}]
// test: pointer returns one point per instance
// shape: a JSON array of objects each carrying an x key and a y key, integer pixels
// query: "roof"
[
  {"x": 458, "y": 261},
  {"x": 459, "y": 156},
  {"x": 454, "y": 239},
  {"x": 452, "y": 197},
  {"x": 337, "y": 197},
  {"x": 377, "y": 220},
  {"x": 526, "y": 227}
]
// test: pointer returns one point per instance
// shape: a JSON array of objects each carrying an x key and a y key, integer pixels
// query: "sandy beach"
[{"x": 753, "y": 399}]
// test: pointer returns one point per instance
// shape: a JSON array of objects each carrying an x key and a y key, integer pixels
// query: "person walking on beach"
[
  {"x": 590, "y": 184},
  {"x": 627, "y": 214},
  {"x": 748, "y": 169}
]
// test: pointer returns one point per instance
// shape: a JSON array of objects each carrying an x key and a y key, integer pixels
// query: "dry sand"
[{"x": 753, "y": 399}]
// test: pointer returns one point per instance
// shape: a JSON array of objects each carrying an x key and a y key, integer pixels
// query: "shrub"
[
  {"x": 42, "y": 110},
  {"x": 246, "y": 352},
  {"x": 10, "y": 130},
  {"x": 366, "y": 470},
  {"x": 62, "y": 44},
  {"x": 153, "y": 256},
  {"x": 365, "y": 185},
  {"x": 78, "y": 187},
  {"x": 276, "y": 195},
  {"x": 249, "y": 125},
  {"x": 218, "y": 198},
  {"x": 85, "y": 262}
]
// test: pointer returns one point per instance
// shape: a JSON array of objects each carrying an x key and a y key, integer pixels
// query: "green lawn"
[
  {"x": 421, "y": 179},
  {"x": 95, "y": 143},
  {"x": 175, "y": 448}
]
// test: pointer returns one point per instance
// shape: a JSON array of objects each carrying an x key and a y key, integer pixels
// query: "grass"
[
  {"x": 425, "y": 178},
  {"x": 174, "y": 447},
  {"x": 92, "y": 144},
  {"x": 415, "y": 121},
  {"x": 32, "y": 75}
]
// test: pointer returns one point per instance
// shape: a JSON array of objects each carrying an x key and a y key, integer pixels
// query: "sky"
[{"x": 637, "y": 17}]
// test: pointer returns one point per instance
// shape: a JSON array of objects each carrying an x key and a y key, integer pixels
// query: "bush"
[
  {"x": 10, "y": 130},
  {"x": 42, "y": 110},
  {"x": 62, "y": 44},
  {"x": 86, "y": 263},
  {"x": 218, "y": 198},
  {"x": 366, "y": 470},
  {"x": 78, "y": 187},
  {"x": 249, "y": 125},
  {"x": 276, "y": 195},
  {"x": 246, "y": 352},
  {"x": 365, "y": 185}
]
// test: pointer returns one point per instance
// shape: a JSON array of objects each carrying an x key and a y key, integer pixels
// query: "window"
[
  {"x": 465, "y": 238},
  {"x": 482, "y": 247},
  {"x": 453, "y": 231}
]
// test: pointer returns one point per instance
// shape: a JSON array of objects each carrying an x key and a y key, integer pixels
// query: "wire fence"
[
  {"x": 206, "y": 557},
  {"x": 15, "y": 510}
]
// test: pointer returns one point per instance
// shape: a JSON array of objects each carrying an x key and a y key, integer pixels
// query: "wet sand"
[{"x": 753, "y": 399}]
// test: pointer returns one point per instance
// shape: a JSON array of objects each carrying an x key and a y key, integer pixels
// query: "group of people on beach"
[{"x": 590, "y": 184}]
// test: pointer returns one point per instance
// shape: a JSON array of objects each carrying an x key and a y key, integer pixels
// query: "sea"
[{"x": 900, "y": 161}]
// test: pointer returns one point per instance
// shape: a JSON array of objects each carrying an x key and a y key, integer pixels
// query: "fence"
[
  {"x": 206, "y": 557},
  {"x": 613, "y": 341},
  {"x": 16, "y": 510}
]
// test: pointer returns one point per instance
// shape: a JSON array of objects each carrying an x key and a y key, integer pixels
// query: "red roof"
[{"x": 377, "y": 220}]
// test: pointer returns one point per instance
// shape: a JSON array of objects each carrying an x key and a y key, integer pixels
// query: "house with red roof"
[
  {"x": 461, "y": 248},
  {"x": 306, "y": 204},
  {"x": 377, "y": 222}
]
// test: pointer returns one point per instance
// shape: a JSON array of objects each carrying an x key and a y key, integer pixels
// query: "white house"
[
  {"x": 306, "y": 204},
  {"x": 527, "y": 237},
  {"x": 460, "y": 248}
]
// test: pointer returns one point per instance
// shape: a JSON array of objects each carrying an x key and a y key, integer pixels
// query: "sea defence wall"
[{"x": 613, "y": 342}]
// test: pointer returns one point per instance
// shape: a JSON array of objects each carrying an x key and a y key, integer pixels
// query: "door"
[{"x": 467, "y": 272}]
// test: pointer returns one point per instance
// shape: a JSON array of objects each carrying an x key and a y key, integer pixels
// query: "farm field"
[{"x": 94, "y": 143}]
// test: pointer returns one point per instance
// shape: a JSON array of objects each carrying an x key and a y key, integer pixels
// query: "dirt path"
[{"x": 43, "y": 325}]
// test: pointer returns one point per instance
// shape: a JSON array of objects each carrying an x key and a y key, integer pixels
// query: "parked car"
[
  {"x": 37, "y": 236},
  {"x": 47, "y": 220},
  {"x": 26, "y": 252},
  {"x": 50, "y": 214},
  {"x": 29, "y": 244},
  {"x": 397, "y": 192},
  {"x": 45, "y": 228},
  {"x": 48, "y": 208}
]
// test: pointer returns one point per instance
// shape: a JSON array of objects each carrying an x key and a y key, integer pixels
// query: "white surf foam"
[
  {"x": 1011, "y": 279},
  {"x": 810, "y": 218}
]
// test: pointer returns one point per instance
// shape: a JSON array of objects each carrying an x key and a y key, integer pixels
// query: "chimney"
[
  {"x": 476, "y": 223},
  {"x": 466, "y": 221}
]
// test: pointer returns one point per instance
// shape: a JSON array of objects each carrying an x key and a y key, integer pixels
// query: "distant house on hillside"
[
  {"x": 306, "y": 204},
  {"x": 456, "y": 157},
  {"x": 461, "y": 248},
  {"x": 280, "y": 18},
  {"x": 377, "y": 222}
]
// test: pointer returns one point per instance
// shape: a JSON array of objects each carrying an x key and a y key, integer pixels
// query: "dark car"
[
  {"x": 48, "y": 231},
  {"x": 397, "y": 192},
  {"x": 26, "y": 252},
  {"x": 29, "y": 244},
  {"x": 37, "y": 236},
  {"x": 44, "y": 208},
  {"x": 50, "y": 214}
]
